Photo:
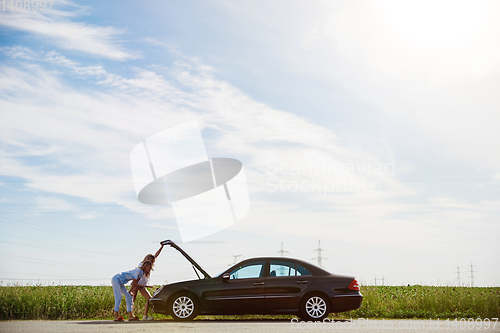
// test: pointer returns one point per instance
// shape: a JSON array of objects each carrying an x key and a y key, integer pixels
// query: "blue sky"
[{"x": 371, "y": 126}]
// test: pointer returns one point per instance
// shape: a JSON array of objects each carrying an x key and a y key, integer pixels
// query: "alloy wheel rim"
[
  {"x": 183, "y": 307},
  {"x": 315, "y": 307}
]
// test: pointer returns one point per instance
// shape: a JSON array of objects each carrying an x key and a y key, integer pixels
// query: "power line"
[
  {"x": 37, "y": 244},
  {"x": 51, "y": 263},
  {"x": 261, "y": 205},
  {"x": 340, "y": 181},
  {"x": 458, "y": 275},
  {"x": 54, "y": 230},
  {"x": 54, "y": 276},
  {"x": 327, "y": 208},
  {"x": 52, "y": 280}
]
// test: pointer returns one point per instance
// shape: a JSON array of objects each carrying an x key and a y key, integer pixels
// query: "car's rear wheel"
[
  {"x": 314, "y": 307},
  {"x": 183, "y": 307}
]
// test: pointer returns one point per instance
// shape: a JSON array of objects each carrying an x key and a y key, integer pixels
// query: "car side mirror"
[{"x": 226, "y": 277}]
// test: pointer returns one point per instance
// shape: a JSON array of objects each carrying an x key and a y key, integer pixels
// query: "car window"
[
  {"x": 250, "y": 270},
  {"x": 302, "y": 271},
  {"x": 281, "y": 268}
]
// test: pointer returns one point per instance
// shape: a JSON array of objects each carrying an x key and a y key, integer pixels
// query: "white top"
[{"x": 144, "y": 281}]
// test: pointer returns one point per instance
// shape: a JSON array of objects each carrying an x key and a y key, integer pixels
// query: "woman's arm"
[
  {"x": 136, "y": 285},
  {"x": 158, "y": 252}
]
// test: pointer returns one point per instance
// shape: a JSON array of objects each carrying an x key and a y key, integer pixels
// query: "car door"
[
  {"x": 285, "y": 285},
  {"x": 242, "y": 291}
]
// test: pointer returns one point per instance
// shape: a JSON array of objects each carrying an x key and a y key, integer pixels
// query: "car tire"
[
  {"x": 314, "y": 307},
  {"x": 183, "y": 307}
]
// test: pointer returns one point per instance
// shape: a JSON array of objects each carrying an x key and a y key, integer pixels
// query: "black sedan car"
[{"x": 271, "y": 285}]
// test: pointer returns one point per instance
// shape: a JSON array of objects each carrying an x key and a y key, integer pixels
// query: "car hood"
[{"x": 191, "y": 260}]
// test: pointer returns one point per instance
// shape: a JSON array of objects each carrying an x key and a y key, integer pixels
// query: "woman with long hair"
[
  {"x": 118, "y": 282},
  {"x": 143, "y": 283}
]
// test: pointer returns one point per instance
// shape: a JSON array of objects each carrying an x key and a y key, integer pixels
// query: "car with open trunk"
[{"x": 268, "y": 285}]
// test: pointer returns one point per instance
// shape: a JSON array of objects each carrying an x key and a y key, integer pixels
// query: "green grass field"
[
  {"x": 428, "y": 302},
  {"x": 96, "y": 302}
]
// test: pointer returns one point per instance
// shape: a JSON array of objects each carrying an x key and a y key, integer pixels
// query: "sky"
[{"x": 368, "y": 126}]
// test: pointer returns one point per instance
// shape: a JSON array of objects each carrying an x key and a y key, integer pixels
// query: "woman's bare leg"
[{"x": 147, "y": 296}]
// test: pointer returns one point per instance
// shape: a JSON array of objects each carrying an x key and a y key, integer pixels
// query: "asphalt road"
[{"x": 247, "y": 326}]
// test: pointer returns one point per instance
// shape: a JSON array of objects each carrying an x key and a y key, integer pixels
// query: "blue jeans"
[{"x": 118, "y": 290}]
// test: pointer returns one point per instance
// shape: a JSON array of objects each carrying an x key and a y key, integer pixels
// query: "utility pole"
[
  {"x": 282, "y": 252},
  {"x": 471, "y": 275},
  {"x": 235, "y": 256},
  {"x": 383, "y": 280},
  {"x": 319, "y": 257},
  {"x": 458, "y": 275}
]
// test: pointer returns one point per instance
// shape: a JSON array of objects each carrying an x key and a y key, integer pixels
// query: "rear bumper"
[{"x": 346, "y": 302}]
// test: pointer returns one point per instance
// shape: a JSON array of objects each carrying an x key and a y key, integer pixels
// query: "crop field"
[
  {"x": 427, "y": 302},
  {"x": 18, "y": 302}
]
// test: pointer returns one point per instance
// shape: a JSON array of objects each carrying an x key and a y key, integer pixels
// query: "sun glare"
[
  {"x": 435, "y": 21},
  {"x": 432, "y": 41}
]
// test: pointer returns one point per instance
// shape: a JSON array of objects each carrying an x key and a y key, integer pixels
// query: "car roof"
[{"x": 315, "y": 270}]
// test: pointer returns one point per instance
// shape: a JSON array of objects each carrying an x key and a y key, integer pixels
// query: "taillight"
[{"x": 354, "y": 285}]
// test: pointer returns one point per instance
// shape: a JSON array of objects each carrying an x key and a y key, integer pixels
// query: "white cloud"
[
  {"x": 46, "y": 204},
  {"x": 156, "y": 225},
  {"x": 87, "y": 216},
  {"x": 437, "y": 81},
  {"x": 56, "y": 58},
  {"x": 431, "y": 68},
  {"x": 19, "y": 52},
  {"x": 105, "y": 126},
  {"x": 94, "y": 133},
  {"x": 24, "y": 149},
  {"x": 76, "y": 142},
  {"x": 56, "y": 28}
]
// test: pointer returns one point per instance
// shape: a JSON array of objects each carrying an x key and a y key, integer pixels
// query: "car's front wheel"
[
  {"x": 183, "y": 307},
  {"x": 314, "y": 308}
]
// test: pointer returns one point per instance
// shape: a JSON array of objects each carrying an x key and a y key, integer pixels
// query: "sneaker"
[{"x": 147, "y": 318}]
